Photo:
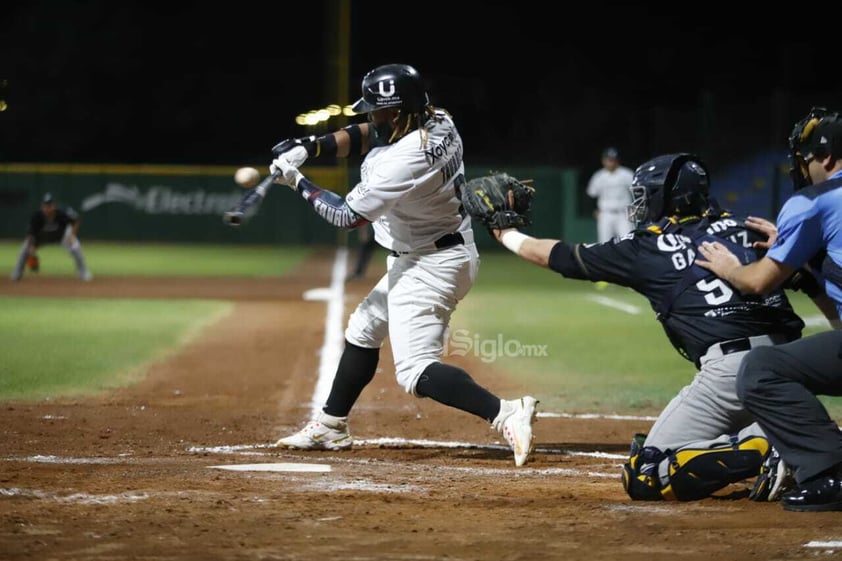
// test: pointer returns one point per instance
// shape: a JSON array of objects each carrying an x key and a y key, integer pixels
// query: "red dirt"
[{"x": 127, "y": 475}]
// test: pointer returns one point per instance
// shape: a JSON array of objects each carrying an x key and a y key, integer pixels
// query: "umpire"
[
  {"x": 49, "y": 225},
  {"x": 780, "y": 385}
]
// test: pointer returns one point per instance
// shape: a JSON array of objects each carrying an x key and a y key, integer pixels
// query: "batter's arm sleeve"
[
  {"x": 352, "y": 140},
  {"x": 330, "y": 206}
]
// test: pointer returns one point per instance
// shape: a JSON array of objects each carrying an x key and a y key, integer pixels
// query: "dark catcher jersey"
[
  {"x": 696, "y": 308},
  {"x": 50, "y": 231}
]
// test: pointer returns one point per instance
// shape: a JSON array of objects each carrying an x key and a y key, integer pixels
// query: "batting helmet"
[
  {"x": 392, "y": 85},
  {"x": 818, "y": 135},
  {"x": 669, "y": 185}
]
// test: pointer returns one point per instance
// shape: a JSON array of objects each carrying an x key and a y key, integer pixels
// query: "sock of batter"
[
  {"x": 453, "y": 386},
  {"x": 356, "y": 369}
]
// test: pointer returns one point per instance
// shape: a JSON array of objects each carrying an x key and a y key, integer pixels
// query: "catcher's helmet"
[
  {"x": 392, "y": 85},
  {"x": 818, "y": 135},
  {"x": 669, "y": 185}
]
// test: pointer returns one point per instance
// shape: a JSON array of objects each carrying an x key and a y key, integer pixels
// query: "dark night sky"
[{"x": 186, "y": 83}]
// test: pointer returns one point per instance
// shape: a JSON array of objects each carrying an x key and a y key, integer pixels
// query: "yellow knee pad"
[{"x": 698, "y": 473}]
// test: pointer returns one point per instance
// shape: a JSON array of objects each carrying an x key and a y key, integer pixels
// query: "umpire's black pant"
[{"x": 779, "y": 386}]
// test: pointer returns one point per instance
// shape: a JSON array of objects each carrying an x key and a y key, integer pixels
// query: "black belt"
[
  {"x": 447, "y": 240},
  {"x": 746, "y": 344},
  {"x": 735, "y": 346}
]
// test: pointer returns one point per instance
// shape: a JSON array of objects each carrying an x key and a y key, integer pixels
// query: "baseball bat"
[{"x": 250, "y": 202}]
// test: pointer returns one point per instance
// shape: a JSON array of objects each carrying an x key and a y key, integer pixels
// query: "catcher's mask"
[
  {"x": 398, "y": 86},
  {"x": 816, "y": 136},
  {"x": 669, "y": 185}
]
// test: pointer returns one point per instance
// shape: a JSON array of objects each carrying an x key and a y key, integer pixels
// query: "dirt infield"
[{"x": 130, "y": 475}]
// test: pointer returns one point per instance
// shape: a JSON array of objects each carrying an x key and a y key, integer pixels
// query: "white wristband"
[{"x": 513, "y": 240}]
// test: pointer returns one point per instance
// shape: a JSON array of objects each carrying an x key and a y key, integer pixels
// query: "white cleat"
[
  {"x": 86, "y": 276},
  {"x": 325, "y": 432},
  {"x": 514, "y": 422}
]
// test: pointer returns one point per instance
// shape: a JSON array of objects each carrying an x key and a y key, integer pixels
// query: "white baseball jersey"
[
  {"x": 611, "y": 188},
  {"x": 408, "y": 191}
]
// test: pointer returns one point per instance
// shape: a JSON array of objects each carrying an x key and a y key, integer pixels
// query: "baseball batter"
[
  {"x": 704, "y": 439},
  {"x": 409, "y": 191},
  {"x": 47, "y": 225}
]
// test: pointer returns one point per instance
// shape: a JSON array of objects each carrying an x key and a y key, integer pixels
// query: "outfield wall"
[{"x": 185, "y": 203}]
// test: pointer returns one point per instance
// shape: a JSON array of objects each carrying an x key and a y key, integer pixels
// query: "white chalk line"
[
  {"x": 824, "y": 544},
  {"x": 616, "y": 304},
  {"x": 408, "y": 443},
  {"x": 284, "y": 467},
  {"x": 334, "y": 340},
  {"x": 78, "y": 498},
  {"x": 596, "y": 416}
]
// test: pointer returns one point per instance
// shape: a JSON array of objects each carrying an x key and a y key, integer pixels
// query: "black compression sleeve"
[
  {"x": 453, "y": 386},
  {"x": 356, "y": 138},
  {"x": 324, "y": 147},
  {"x": 329, "y": 205},
  {"x": 356, "y": 369},
  {"x": 564, "y": 259}
]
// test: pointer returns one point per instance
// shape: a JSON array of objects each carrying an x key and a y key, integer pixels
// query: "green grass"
[
  {"x": 53, "y": 347},
  {"x": 585, "y": 356},
  {"x": 598, "y": 359},
  {"x": 122, "y": 259}
]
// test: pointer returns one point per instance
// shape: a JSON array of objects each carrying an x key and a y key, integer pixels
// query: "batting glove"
[
  {"x": 290, "y": 176},
  {"x": 296, "y": 156}
]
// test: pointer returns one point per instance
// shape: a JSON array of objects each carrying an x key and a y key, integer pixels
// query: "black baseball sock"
[
  {"x": 453, "y": 386},
  {"x": 356, "y": 369}
]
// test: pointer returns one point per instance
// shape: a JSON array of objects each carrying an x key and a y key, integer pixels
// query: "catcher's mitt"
[
  {"x": 33, "y": 263},
  {"x": 498, "y": 200}
]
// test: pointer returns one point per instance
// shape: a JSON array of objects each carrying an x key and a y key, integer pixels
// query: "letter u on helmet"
[
  {"x": 672, "y": 184},
  {"x": 392, "y": 85}
]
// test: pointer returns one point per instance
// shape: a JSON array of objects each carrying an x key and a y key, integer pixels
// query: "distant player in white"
[
  {"x": 409, "y": 190},
  {"x": 610, "y": 187}
]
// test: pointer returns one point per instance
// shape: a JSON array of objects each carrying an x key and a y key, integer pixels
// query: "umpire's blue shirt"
[{"x": 809, "y": 224}]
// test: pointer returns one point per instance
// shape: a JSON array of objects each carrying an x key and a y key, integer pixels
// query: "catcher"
[
  {"x": 704, "y": 440},
  {"x": 51, "y": 224}
]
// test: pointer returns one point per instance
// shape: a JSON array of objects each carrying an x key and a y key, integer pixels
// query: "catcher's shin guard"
[
  {"x": 698, "y": 473},
  {"x": 640, "y": 474}
]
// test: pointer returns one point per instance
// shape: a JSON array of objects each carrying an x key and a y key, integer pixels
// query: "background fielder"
[
  {"x": 51, "y": 224},
  {"x": 609, "y": 185},
  {"x": 409, "y": 185}
]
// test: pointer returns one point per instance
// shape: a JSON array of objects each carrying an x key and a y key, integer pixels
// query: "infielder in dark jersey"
[
  {"x": 704, "y": 439},
  {"x": 50, "y": 225}
]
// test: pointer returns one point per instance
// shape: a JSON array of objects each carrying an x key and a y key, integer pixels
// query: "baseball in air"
[{"x": 247, "y": 177}]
